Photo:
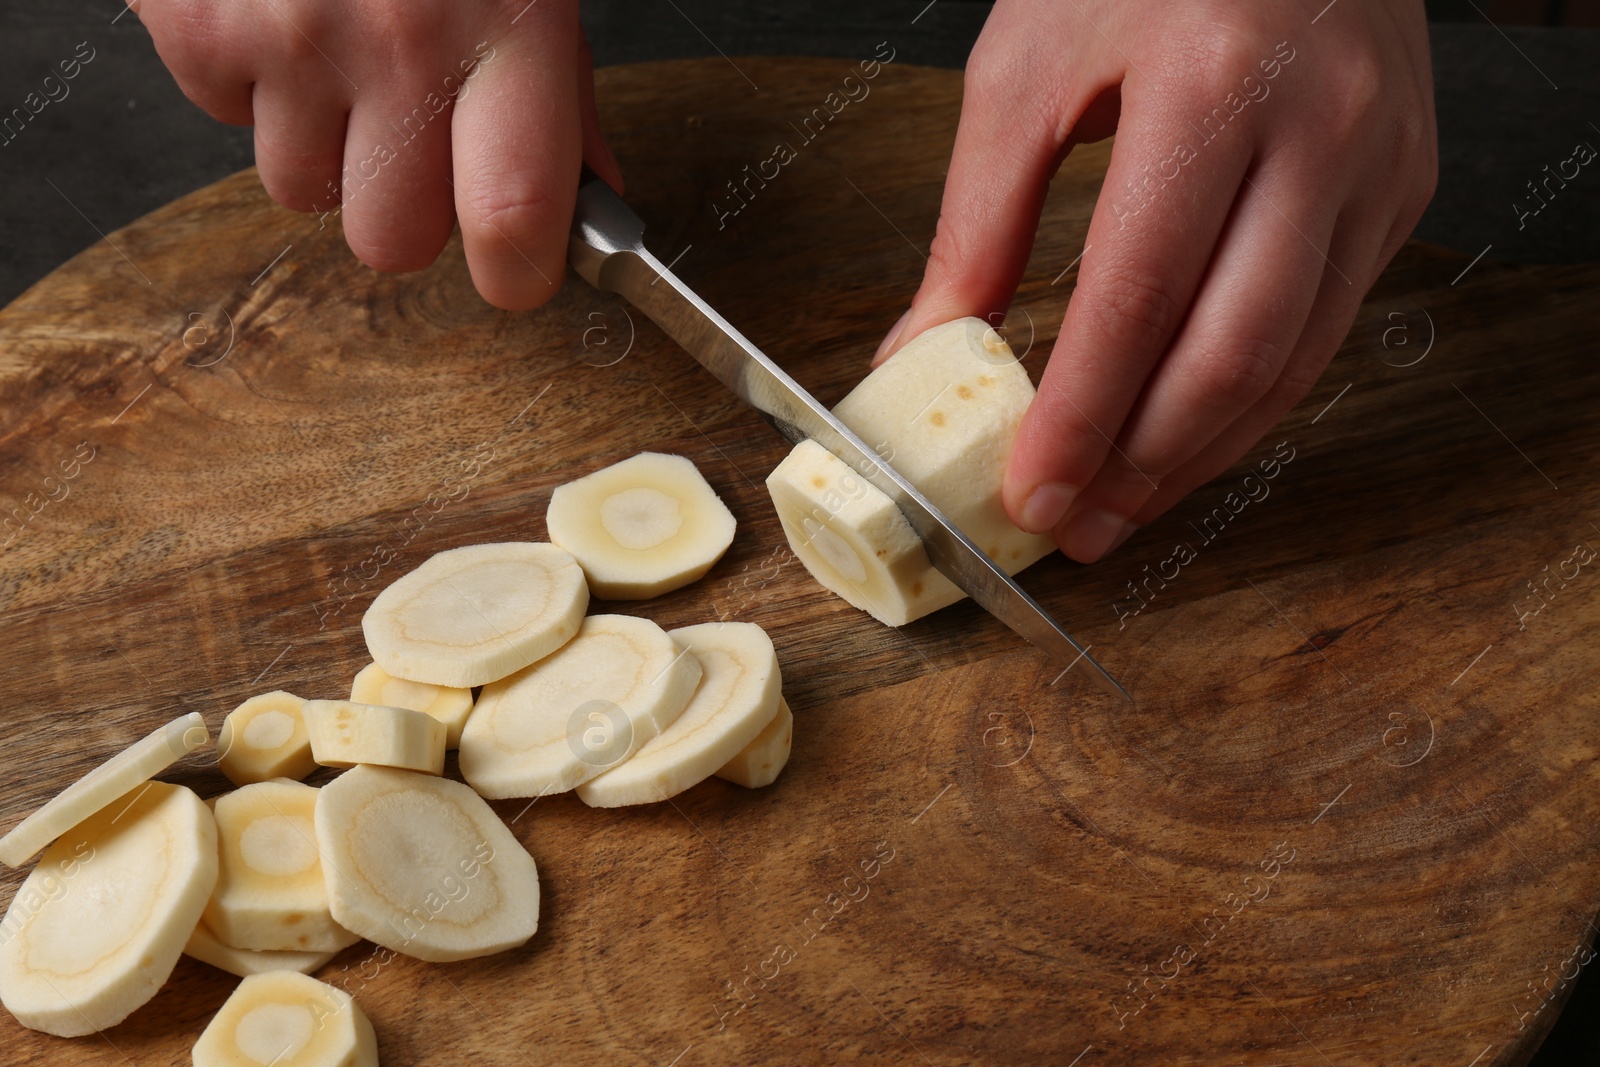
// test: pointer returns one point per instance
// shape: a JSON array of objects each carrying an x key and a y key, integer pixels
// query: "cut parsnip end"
[
  {"x": 468, "y": 616},
  {"x": 738, "y": 696},
  {"x": 944, "y": 409},
  {"x": 344, "y": 733},
  {"x": 270, "y": 894},
  {"x": 285, "y": 1019},
  {"x": 759, "y": 762},
  {"x": 853, "y": 539},
  {"x": 642, "y": 527},
  {"x": 99, "y": 924},
  {"x": 589, "y": 706},
  {"x": 448, "y": 704},
  {"x": 265, "y": 738},
  {"x": 421, "y": 865},
  {"x": 203, "y": 945},
  {"x": 114, "y": 778}
]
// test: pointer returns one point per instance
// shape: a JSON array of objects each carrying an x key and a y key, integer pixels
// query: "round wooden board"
[{"x": 1351, "y": 818}]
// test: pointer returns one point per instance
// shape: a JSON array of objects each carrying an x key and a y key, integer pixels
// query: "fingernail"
[
  {"x": 1092, "y": 533},
  {"x": 1046, "y": 505},
  {"x": 890, "y": 338}
]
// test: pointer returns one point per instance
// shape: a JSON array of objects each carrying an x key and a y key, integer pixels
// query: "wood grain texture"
[{"x": 1352, "y": 817}]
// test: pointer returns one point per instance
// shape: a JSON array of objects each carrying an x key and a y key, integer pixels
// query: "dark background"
[{"x": 1516, "y": 84}]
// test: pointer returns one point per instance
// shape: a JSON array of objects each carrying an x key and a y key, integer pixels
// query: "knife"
[{"x": 607, "y": 250}]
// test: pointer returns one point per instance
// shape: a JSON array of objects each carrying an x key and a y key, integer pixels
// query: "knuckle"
[
  {"x": 526, "y": 215},
  {"x": 1355, "y": 93},
  {"x": 1131, "y": 306},
  {"x": 1235, "y": 374},
  {"x": 1292, "y": 386},
  {"x": 988, "y": 80},
  {"x": 389, "y": 253}
]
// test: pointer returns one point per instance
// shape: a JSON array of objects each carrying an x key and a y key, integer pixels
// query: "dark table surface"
[{"x": 123, "y": 141}]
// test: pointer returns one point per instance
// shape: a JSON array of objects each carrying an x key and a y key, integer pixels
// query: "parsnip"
[
  {"x": 423, "y": 866},
  {"x": 344, "y": 733},
  {"x": 99, "y": 924},
  {"x": 641, "y": 527},
  {"x": 470, "y": 615},
  {"x": 204, "y": 946},
  {"x": 589, "y": 706},
  {"x": 738, "y": 695},
  {"x": 284, "y": 1019},
  {"x": 853, "y": 539},
  {"x": 270, "y": 894},
  {"x": 265, "y": 738},
  {"x": 759, "y": 762},
  {"x": 131, "y": 767},
  {"x": 450, "y": 705},
  {"x": 944, "y": 410}
]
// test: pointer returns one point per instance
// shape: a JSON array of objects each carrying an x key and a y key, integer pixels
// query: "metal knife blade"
[{"x": 607, "y": 250}]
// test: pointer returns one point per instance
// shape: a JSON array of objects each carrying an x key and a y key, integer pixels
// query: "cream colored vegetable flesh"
[
  {"x": 759, "y": 762},
  {"x": 470, "y": 615},
  {"x": 270, "y": 894},
  {"x": 344, "y": 733},
  {"x": 265, "y": 738},
  {"x": 284, "y": 1019},
  {"x": 589, "y": 706},
  {"x": 131, "y": 767},
  {"x": 423, "y": 866},
  {"x": 98, "y": 925},
  {"x": 450, "y": 705},
  {"x": 204, "y": 946},
  {"x": 641, "y": 527},
  {"x": 738, "y": 695},
  {"x": 944, "y": 410}
]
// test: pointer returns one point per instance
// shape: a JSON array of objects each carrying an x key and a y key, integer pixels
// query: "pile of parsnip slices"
[{"x": 269, "y": 881}]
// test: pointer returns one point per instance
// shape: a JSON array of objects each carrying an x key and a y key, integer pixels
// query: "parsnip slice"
[
  {"x": 944, "y": 410},
  {"x": 423, "y": 866},
  {"x": 204, "y": 946},
  {"x": 344, "y": 733},
  {"x": 99, "y": 924},
  {"x": 759, "y": 762},
  {"x": 265, "y": 738},
  {"x": 270, "y": 894},
  {"x": 284, "y": 1019},
  {"x": 134, "y": 765},
  {"x": 470, "y": 615},
  {"x": 738, "y": 695},
  {"x": 641, "y": 527},
  {"x": 587, "y": 707},
  {"x": 450, "y": 705}
]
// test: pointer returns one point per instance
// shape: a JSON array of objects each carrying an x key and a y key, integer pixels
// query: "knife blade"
[{"x": 607, "y": 250}]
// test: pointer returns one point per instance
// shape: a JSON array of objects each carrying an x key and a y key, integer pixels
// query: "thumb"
[{"x": 1010, "y": 141}]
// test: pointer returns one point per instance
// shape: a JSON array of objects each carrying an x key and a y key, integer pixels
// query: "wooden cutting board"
[{"x": 1352, "y": 817}]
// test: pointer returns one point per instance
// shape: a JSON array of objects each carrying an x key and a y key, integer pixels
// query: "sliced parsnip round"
[
  {"x": 587, "y": 707},
  {"x": 270, "y": 894},
  {"x": 285, "y": 1019},
  {"x": 737, "y": 697},
  {"x": 470, "y": 615},
  {"x": 450, "y": 705},
  {"x": 759, "y": 762},
  {"x": 641, "y": 527},
  {"x": 131, "y": 767},
  {"x": 264, "y": 738},
  {"x": 99, "y": 924},
  {"x": 423, "y": 866},
  {"x": 344, "y": 733},
  {"x": 204, "y": 946}
]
